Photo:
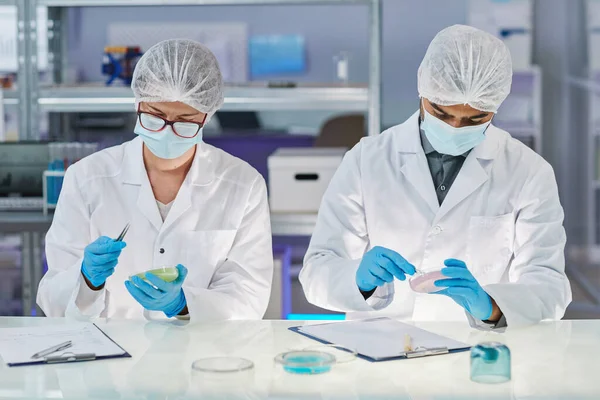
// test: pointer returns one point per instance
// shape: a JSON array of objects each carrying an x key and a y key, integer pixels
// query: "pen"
[
  {"x": 407, "y": 343},
  {"x": 52, "y": 349}
]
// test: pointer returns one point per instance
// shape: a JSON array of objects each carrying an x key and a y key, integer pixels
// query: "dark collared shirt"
[{"x": 443, "y": 167}]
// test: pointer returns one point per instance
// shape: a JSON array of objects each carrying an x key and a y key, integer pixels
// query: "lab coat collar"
[
  {"x": 414, "y": 165},
  {"x": 472, "y": 175},
  {"x": 134, "y": 173}
]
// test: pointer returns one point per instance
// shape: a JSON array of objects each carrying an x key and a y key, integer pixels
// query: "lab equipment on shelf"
[
  {"x": 21, "y": 203},
  {"x": 342, "y": 67},
  {"x": 490, "y": 363},
  {"x": 277, "y": 54},
  {"x": 62, "y": 155},
  {"x": 21, "y": 168},
  {"x": 119, "y": 63},
  {"x": 298, "y": 177}
]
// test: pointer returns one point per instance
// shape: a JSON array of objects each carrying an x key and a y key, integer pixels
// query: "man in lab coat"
[{"x": 446, "y": 190}]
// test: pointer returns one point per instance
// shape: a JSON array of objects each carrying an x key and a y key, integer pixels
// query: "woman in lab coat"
[
  {"x": 444, "y": 190},
  {"x": 188, "y": 204}
]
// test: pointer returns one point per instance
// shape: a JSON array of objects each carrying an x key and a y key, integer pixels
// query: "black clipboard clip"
[
  {"x": 424, "y": 352},
  {"x": 70, "y": 357}
]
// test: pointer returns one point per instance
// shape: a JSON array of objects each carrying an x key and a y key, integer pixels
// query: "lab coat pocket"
[
  {"x": 490, "y": 246},
  {"x": 205, "y": 251}
]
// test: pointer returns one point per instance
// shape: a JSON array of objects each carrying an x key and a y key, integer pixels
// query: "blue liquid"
[
  {"x": 54, "y": 183},
  {"x": 308, "y": 364},
  {"x": 490, "y": 363}
]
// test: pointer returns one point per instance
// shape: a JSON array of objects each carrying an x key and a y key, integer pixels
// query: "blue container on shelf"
[{"x": 54, "y": 183}]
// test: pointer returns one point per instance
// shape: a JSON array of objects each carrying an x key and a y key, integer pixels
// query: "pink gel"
[{"x": 425, "y": 283}]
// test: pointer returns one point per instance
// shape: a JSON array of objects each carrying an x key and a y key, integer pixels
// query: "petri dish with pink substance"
[{"x": 423, "y": 282}]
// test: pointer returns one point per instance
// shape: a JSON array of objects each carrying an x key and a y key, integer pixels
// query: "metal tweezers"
[{"x": 123, "y": 233}]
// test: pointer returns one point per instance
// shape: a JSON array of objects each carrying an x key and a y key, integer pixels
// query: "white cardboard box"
[{"x": 298, "y": 177}]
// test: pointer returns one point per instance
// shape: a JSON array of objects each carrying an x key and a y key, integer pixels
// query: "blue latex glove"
[
  {"x": 167, "y": 297},
  {"x": 463, "y": 288},
  {"x": 100, "y": 259},
  {"x": 380, "y": 265}
]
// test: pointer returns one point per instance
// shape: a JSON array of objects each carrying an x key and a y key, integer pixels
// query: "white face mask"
[
  {"x": 447, "y": 139},
  {"x": 165, "y": 144}
]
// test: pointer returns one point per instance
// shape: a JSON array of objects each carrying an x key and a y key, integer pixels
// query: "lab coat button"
[
  {"x": 437, "y": 230},
  {"x": 161, "y": 251}
]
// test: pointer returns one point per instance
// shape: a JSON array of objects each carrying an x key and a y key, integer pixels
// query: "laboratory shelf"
[
  {"x": 111, "y": 3},
  {"x": 90, "y": 98},
  {"x": 20, "y": 221},
  {"x": 283, "y": 224},
  {"x": 10, "y": 97},
  {"x": 254, "y": 97}
]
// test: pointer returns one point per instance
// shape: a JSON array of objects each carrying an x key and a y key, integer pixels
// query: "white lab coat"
[
  {"x": 218, "y": 227},
  {"x": 502, "y": 216}
]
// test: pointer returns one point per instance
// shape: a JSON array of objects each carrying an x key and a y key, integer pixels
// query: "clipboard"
[
  {"x": 68, "y": 357},
  {"x": 418, "y": 352}
]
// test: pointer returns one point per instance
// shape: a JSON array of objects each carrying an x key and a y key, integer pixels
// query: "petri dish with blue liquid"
[{"x": 314, "y": 360}]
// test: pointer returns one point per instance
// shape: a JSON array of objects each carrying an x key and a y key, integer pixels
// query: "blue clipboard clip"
[{"x": 70, "y": 357}]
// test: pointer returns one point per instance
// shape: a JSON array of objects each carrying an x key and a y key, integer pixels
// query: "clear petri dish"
[
  {"x": 306, "y": 362},
  {"x": 167, "y": 274},
  {"x": 424, "y": 282},
  {"x": 222, "y": 365}
]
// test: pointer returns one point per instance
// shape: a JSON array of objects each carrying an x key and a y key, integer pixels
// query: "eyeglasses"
[{"x": 154, "y": 123}]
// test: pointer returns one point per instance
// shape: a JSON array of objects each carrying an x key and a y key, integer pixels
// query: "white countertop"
[{"x": 550, "y": 361}]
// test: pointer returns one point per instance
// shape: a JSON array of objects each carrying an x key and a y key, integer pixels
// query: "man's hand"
[
  {"x": 379, "y": 266},
  {"x": 462, "y": 287}
]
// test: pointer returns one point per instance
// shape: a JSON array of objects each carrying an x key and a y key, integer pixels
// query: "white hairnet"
[
  {"x": 179, "y": 70},
  {"x": 464, "y": 65}
]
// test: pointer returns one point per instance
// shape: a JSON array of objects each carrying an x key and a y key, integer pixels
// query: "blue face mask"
[
  {"x": 166, "y": 144},
  {"x": 447, "y": 139}
]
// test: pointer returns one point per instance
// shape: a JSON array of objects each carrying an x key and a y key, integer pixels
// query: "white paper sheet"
[
  {"x": 378, "y": 338},
  {"x": 17, "y": 345}
]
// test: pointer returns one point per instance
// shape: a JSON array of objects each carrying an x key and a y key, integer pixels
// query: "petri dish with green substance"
[{"x": 167, "y": 274}]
